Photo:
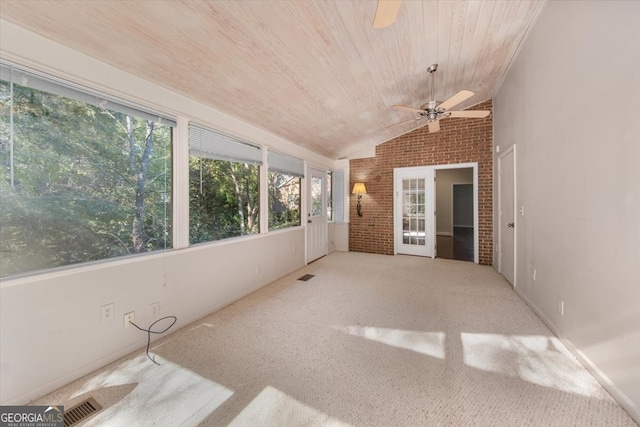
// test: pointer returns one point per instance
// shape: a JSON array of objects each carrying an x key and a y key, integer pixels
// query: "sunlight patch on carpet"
[
  {"x": 275, "y": 408},
  {"x": 168, "y": 394},
  {"x": 538, "y": 359},
  {"x": 427, "y": 343}
]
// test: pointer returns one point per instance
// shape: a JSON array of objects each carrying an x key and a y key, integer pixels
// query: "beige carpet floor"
[{"x": 371, "y": 340}]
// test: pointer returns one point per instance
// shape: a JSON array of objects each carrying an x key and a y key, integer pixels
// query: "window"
[
  {"x": 224, "y": 186},
  {"x": 285, "y": 176},
  {"x": 82, "y": 178},
  {"x": 316, "y": 196}
]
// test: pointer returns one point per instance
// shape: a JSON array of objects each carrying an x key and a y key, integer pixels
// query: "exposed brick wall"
[{"x": 458, "y": 141}]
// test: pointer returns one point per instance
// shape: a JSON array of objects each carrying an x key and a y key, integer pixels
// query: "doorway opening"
[
  {"x": 455, "y": 230},
  {"x": 418, "y": 220}
]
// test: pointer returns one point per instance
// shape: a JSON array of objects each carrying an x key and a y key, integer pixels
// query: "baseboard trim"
[{"x": 612, "y": 389}]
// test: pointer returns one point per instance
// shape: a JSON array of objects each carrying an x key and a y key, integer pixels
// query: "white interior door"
[
  {"x": 414, "y": 215},
  {"x": 506, "y": 214},
  {"x": 317, "y": 228}
]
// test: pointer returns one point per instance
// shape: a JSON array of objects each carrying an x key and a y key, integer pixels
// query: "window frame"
[
  {"x": 50, "y": 86},
  {"x": 205, "y": 142},
  {"x": 292, "y": 166},
  {"x": 281, "y": 227}
]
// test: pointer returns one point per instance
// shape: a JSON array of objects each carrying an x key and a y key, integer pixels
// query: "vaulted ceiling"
[{"x": 314, "y": 72}]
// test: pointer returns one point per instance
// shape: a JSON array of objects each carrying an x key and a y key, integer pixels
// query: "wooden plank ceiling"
[{"x": 314, "y": 72}]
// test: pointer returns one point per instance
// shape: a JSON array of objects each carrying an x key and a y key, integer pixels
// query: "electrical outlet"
[
  {"x": 533, "y": 274},
  {"x": 128, "y": 319},
  {"x": 258, "y": 268},
  {"x": 106, "y": 312},
  {"x": 154, "y": 309}
]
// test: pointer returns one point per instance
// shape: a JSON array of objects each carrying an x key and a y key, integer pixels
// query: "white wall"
[
  {"x": 51, "y": 331},
  {"x": 571, "y": 103},
  {"x": 50, "y": 328}
]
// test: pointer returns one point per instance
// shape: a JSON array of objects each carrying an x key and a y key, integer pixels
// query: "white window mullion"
[
  {"x": 264, "y": 193},
  {"x": 304, "y": 194},
  {"x": 181, "y": 184}
]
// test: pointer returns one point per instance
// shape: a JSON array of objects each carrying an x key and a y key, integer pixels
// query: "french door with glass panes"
[{"x": 413, "y": 211}]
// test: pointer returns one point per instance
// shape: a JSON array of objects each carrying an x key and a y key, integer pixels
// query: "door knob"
[{"x": 511, "y": 224}]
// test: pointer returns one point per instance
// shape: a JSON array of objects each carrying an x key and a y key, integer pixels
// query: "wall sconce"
[{"x": 359, "y": 189}]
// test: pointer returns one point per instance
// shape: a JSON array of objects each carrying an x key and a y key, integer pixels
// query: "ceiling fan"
[
  {"x": 386, "y": 13},
  {"x": 434, "y": 111}
]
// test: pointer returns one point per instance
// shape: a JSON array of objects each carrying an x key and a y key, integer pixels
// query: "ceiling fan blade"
[
  {"x": 455, "y": 99},
  {"x": 402, "y": 123},
  {"x": 386, "y": 13},
  {"x": 473, "y": 114},
  {"x": 434, "y": 126},
  {"x": 405, "y": 108}
]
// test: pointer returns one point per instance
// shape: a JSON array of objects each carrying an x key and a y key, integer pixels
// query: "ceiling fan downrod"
[{"x": 431, "y": 70}]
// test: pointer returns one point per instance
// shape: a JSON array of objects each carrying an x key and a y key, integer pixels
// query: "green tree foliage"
[
  {"x": 224, "y": 199},
  {"x": 83, "y": 183},
  {"x": 284, "y": 201}
]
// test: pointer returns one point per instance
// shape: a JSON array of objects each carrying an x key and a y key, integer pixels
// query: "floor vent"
[
  {"x": 81, "y": 412},
  {"x": 307, "y": 277}
]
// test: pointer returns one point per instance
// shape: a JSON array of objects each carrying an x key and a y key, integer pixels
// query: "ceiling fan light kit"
[{"x": 434, "y": 111}]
